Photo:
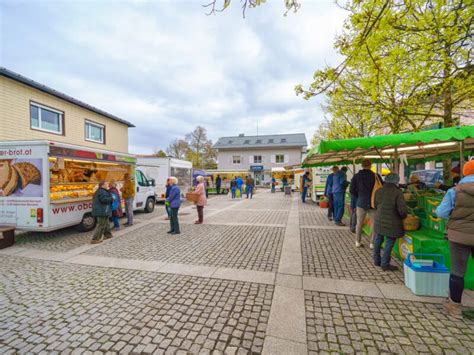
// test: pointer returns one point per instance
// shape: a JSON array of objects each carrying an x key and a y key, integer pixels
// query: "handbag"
[{"x": 377, "y": 186}]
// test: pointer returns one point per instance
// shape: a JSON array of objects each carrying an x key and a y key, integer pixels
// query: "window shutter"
[
  {"x": 251, "y": 161},
  {"x": 287, "y": 158},
  {"x": 273, "y": 159}
]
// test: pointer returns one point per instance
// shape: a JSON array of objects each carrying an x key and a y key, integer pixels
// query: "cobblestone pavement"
[
  {"x": 48, "y": 306},
  {"x": 314, "y": 217},
  {"x": 254, "y": 216},
  {"x": 240, "y": 247},
  {"x": 354, "y": 324},
  {"x": 331, "y": 254},
  {"x": 61, "y": 240}
]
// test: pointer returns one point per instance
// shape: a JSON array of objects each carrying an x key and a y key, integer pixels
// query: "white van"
[
  {"x": 46, "y": 185},
  {"x": 158, "y": 170}
]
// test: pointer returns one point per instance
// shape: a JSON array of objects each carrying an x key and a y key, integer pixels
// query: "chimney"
[{"x": 241, "y": 135}]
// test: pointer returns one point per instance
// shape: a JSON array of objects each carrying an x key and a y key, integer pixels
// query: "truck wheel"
[
  {"x": 149, "y": 205},
  {"x": 87, "y": 224}
]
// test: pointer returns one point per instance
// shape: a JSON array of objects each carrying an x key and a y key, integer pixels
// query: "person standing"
[
  {"x": 249, "y": 186},
  {"x": 328, "y": 192},
  {"x": 201, "y": 202},
  {"x": 102, "y": 211},
  {"x": 117, "y": 212},
  {"x": 167, "y": 193},
  {"x": 218, "y": 184},
  {"x": 390, "y": 210},
  {"x": 353, "y": 210},
  {"x": 338, "y": 191},
  {"x": 362, "y": 185},
  {"x": 174, "y": 199},
  {"x": 240, "y": 182},
  {"x": 233, "y": 187},
  {"x": 458, "y": 206},
  {"x": 305, "y": 182},
  {"x": 273, "y": 185},
  {"x": 128, "y": 194}
]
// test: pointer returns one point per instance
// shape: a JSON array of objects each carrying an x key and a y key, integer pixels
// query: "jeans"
[
  {"x": 102, "y": 228},
  {"x": 168, "y": 210},
  {"x": 116, "y": 221},
  {"x": 273, "y": 188},
  {"x": 249, "y": 191},
  {"x": 200, "y": 211},
  {"x": 218, "y": 189},
  {"x": 129, "y": 210},
  {"x": 232, "y": 190},
  {"x": 361, "y": 215},
  {"x": 338, "y": 198},
  {"x": 330, "y": 205},
  {"x": 387, "y": 250},
  {"x": 174, "y": 223},
  {"x": 240, "y": 190},
  {"x": 304, "y": 192},
  {"x": 353, "y": 222}
]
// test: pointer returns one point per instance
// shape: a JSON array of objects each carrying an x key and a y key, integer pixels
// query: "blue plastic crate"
[{"x": 426, "y": 277}]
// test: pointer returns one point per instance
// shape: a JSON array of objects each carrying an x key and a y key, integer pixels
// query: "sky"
[{"x": 167, "y": 67}]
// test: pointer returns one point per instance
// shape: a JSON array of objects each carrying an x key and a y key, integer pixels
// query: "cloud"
[{"x": 167, "y": 67}]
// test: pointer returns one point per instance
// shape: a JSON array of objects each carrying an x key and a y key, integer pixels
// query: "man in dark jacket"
[
  {"x": 102, "y": 211},
  {"x": 338, "y": 191},
  {"x": 361, "y": 188},
  {"x": 390, "y": 210},
  {"x": 218, "y": 184},
  {"x": 174, "y": 199},
  {"x": 328, "y": 192}
]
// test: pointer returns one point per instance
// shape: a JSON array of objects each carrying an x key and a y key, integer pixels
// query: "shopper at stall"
[
  {"x": 174, "y": 200},
  {"x": 305, "y": 181},
  {"x": 233, "y": 187},
  {"x": 167, "y": 193},
  {"x": 362, "y": 186},
  {"x": 273, "y": 184},
  {"x": 249, "y": 186},
  {"x": 353, "y": 214},
  {"x": 117, "y": 212},
  {"x": 455, "y": 174},
  {"x": 458, "y": 206},
  {"x": 201, "y": 202},
  {"x": 218, "y": 184},
  {"x": 390, "y": 210},
  {"x": 102, "y": 211},
  {"x": 240, "y": 182},
  {"x": 128, "y": 194},
  {"x": 328, "y": 192},
  {"x": 338, "y": 188}
]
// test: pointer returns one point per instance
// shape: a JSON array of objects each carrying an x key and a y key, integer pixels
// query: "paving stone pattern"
[
  {"x": 314, "y": 217},
  {"x": 54, "y": 307},
  {"x": 240, "y": 247},
  {"x": 331, "y": 254},
  {"x": 353, "y": 324},
  {"x": 60, "y": 240},
  {"x": 243, "y": 216}
]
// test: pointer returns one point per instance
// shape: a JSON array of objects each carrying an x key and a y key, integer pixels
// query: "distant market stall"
[{"x": 399, "y": 150}]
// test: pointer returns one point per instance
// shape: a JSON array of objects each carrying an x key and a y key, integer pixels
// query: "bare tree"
[{"x": 178, "y": 149}]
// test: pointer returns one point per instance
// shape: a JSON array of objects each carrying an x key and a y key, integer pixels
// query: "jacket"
[
  {"x": 233, "y": 184},
  {"x": 390, "y": 210},
  {"x": 249, "y": 182},
  {"x": 305, "y": 180},
  {"x": 102, "y": 203},
  {"x": 239, "y": 182},
  {"x": 362, "y": 185},
  {"x": 339, "y": 182},
  {"x": 458, "y": 206},
  {"x": 218, "y": 182},
  {"x": 116, "y": 196},
  {"x": 167, "y": 191},
  {"x": 328, "y": 188},
  {"x": 201, "y": 191},
  {"x": 174, "y": 197},
  {"x": 128, "y": 189}
]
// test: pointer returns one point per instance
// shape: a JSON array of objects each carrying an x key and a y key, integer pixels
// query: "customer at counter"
[
  {"x": 102, "y": 211},
  {"x": 328, "y": 192},
  {"x": 128, "y": 194},
  {"x": 458, "y": 206},
  {"x": 455, "y": 173}
]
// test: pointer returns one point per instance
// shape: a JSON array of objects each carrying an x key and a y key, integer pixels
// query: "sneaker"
[
  {"x": 340, "y": 224},
  {"x": 390, "y": 268},
  {"x": 371, "y": 246},
  {"x": 452, "y": 308},
  {"x": 108, "y": 237},
  {"x": 170, "y": 232},
  {"x": 359, "y": 245},
  {"x": 93, "y": 241},
  {"x": 377, "y": 264},
  {"x": 175, "y": 233},
  {"x": 353, "y": 231}
]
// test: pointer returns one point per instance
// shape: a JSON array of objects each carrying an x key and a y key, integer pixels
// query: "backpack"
[
  {"x": 377, "y": 186},
  {"x": 115, "y": 202}
]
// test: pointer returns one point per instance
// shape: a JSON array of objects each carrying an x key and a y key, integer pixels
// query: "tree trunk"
[{"x": 448, "y": 122}]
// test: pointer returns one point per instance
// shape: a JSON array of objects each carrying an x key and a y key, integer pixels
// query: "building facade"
[
  {"x": 260, "y": 154},
  {"x": 32, "y": 111}
]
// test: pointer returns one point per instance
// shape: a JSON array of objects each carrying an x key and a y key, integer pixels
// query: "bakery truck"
[{"x": 45, "y": 185}]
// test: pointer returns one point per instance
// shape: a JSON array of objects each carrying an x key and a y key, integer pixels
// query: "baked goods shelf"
[
  {"x": 73, "y": 183},
  {"x": 69, "y": 200}
]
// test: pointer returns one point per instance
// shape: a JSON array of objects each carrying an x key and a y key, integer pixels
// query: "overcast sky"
[{"x": 167, "y": 67}]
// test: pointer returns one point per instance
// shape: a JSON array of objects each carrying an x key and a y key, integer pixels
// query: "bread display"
[
  {"x": 8, "y": 178},
  {"x": 29, "y": 174}
]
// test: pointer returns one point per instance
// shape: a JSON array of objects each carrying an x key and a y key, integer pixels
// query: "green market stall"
[{"x": 407, "y": 148}]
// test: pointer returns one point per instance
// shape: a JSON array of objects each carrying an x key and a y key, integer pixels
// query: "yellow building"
[{"x": 32, "y": 111}]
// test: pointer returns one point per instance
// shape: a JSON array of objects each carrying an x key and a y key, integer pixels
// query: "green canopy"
[{"x": 414, "y": 146}]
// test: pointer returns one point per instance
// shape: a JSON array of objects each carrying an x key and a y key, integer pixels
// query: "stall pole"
[
  {"x": 396, "y": 168},
  {"x": 461, "y": 157}
]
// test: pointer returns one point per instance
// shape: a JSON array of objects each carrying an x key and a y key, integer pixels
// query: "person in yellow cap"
[{"x": 458, "y": 206}]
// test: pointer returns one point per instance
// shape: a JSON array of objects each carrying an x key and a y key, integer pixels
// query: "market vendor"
[
  {"x": 415, "y": 184},
  {"x": 455, "y": 173},
  {"x": 458, "y": 206}
]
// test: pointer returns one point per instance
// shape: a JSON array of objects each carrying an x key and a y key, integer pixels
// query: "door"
[{"x": 258, "y": 178}]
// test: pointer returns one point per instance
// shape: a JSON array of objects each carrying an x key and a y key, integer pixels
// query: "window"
[
  {"x": 95, "y": 132},
  {"x": 283, "y": 140},
  {"x": 141, "y": 179},
  {"x": 259, "y": 141},
  {"x": 236, "y": 159},
  {"x": 247, "y": 141},
  {"x": 46, "y": 119},
  {"x": 270, "y": 141},
  {"x": 229, "y": 142},
  {"x": 279, "y": 158},
  {"x": 257, "y": 159}
]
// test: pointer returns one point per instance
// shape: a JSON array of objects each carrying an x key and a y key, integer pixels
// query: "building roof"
[
  {"x": 264, "y": 141},
  {"x": 34, "y": 84}
]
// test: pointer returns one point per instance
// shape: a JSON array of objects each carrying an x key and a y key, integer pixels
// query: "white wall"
[{"x": 224, "y": 158}]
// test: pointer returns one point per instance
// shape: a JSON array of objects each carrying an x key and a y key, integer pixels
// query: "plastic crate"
[
  {"x": 426, "y": 277},
  {"x": 431, "y": 203},
  {"x": 437, "y": 224}
]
